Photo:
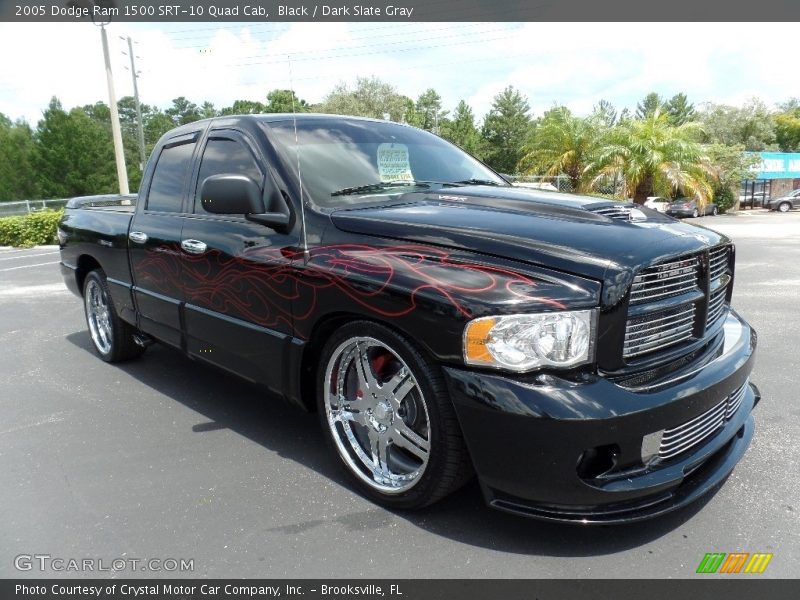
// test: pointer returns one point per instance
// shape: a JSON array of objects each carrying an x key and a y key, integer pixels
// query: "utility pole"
[
  {"x": 140, "y": 127},
  {"x": 119, "y": 151}
]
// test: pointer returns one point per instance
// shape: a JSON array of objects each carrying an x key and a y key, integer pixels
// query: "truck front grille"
[
  {"x": 719, "y": 278},
  {"x": 668, "y": 302},
  {"x": 665, "y": 280},
  {"x": 684, "y": 437},
  {"x": 659, "y": 330}
]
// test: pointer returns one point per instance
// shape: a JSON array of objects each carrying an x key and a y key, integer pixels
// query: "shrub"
[
  {"x": 724, "y": 198},
  {"x": 30, "y": 230}
]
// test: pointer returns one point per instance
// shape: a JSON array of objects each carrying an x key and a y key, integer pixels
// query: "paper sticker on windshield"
[{"x": 393, "y": 163}]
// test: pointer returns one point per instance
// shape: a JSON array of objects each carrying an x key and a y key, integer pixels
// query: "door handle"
[
  {"x": 193, "y": 246},
  {"x": 137, "y": 237}
]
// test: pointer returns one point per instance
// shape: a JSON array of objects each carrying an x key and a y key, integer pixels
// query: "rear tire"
[
  {"x": 714, "y": 211},
  {"x": 695, "y": 213},
  {"x": 112, "y": 337},
  {"x": 387, "y": 417}
]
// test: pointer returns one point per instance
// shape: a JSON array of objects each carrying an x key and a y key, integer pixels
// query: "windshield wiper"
[
  {"x": 476, "y": 182},
  {"x": 377, "y": 187}
]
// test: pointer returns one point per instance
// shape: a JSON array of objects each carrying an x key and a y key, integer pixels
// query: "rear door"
[
  {"x": 237, "y": 277},
  {"x": 154, "y": 241}
]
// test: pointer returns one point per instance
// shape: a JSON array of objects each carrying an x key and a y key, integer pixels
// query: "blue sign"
[{"x": 778, "y": 165}]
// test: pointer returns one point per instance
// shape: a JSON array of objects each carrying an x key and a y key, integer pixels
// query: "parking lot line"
[
  {"x": 52, "y": 262},
  {"x": 27, "y": 255}
]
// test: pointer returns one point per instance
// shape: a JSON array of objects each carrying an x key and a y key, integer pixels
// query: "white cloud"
[{"x": 574, "y": 64}]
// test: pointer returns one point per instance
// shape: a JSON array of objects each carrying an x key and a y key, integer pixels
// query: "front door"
[
  {"x": 236, "y": 274},
  {"x": 154, "y": 242}
]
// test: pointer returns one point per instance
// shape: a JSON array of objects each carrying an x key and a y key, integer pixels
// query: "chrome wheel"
[
  {"x": 98, "y": 316},
  {"x": 784, "y": 207},
  {"x": 377, "y": 415}
]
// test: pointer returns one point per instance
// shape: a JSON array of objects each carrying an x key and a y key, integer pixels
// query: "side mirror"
[{"x": 232, "y": 194}]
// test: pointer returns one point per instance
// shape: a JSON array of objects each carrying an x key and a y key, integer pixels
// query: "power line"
[{"x": 364, "y": 37}]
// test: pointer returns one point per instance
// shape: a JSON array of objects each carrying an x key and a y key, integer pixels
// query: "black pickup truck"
[{"x": 579, "y": 355}]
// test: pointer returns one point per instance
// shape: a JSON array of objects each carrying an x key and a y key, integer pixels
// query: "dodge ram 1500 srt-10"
[{"x": 579, "y": 355}]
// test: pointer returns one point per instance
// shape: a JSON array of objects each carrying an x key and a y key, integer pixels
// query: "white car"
[{"x": 657, "y": 203}]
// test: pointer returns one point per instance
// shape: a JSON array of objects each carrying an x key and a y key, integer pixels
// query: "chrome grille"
[
  {"x": 716, "y": 306},
  {"x": 659, "y": 330},
  {"x": 684, "y": 437},
  {"x": 734, "y": 401},
  {"x": 665, "y": 280},
  {"x": 718, "y": 263}
]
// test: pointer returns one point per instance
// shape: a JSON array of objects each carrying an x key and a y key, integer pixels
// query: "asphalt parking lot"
[{"x": 165, "y": 458}]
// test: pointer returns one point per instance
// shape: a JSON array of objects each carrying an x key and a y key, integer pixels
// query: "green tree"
[
  {"x": 731, "y": 165},
  {"x": 74, "y": 153},
  {"x": 649, "y": 105},
  {"x": 505, "y": 130},
  {"x": 750, "y": 125},
  {"x": 182, "y": 111},
  {"x": 207, "y": 110},
  {"x": 156, "y": 124},
  {"x": 680, "y": 110},
  {"x": 101, "y": 115},
  {"x": 655, "y": 158},
  {"x": 18, "y": 180},
  {"x": 370, "y": 97},
  {"x": 605, "y": 113},
  {"x": 461, "y": 130},
  {"x": 244, "y": 107},
  {"x": 789, "y": 105},
  {"x": 564, "y": 143},
  {"x": 787, "y": 130},
  {"x": 285, "y": 101},
  {"x": 429, "y": 108}
]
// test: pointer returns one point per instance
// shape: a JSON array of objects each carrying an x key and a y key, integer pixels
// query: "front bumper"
[
  {"x": 529, "y": 440},
  {"x": 682, "y": 213}
]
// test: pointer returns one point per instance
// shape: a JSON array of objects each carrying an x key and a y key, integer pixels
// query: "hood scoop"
[{"x": 620, "y": 212}]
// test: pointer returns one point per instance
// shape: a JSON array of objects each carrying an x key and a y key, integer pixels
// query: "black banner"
[
  {"x": 734, "y": 588},
  {"x": 401, "y": 11}
]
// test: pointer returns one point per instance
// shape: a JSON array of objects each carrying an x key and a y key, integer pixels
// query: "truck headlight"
[{"x": 526, "y": 342}]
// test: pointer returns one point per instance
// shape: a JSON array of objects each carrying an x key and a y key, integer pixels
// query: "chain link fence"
[
  {"x": 562, "y": 183},
  {"x": 25, "y": 207}
]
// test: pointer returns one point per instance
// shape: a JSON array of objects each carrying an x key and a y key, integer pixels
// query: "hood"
[{"x": 596, "y": 238}]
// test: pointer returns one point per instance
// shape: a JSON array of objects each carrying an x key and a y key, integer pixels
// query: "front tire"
[
  {"x": 784, "y": 207},
  {"x": 387, "y": 416},
  {"x": 112, "y": 337}
]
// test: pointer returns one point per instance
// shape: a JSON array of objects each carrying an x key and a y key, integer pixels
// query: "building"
[{"x": 777, "y": 174}]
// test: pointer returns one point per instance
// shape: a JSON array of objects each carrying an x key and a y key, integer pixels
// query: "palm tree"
[
  {"x": 564, "y": 144},
  {"x": 654, "y": 157}
]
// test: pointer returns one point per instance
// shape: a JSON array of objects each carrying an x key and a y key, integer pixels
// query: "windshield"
[{"x": 345, "y": 162}]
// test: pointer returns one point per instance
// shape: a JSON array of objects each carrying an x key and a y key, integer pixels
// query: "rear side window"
[
  {"x": 166, "y": 189},
  {"x": 226, "y": 156}
]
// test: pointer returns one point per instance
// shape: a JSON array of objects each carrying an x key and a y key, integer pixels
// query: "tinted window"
[
  {"x": 344, "y": 154},
  {"x": 223, "y": 156},
  {"x": 166, "y": 189}
]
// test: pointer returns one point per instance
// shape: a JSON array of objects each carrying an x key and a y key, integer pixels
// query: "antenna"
[{"x": 299, "y": 171}]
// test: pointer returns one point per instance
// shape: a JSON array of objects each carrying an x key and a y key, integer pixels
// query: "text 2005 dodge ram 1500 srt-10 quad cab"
[{"x": 579, "y": 355}]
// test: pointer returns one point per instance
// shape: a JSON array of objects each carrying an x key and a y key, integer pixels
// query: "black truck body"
[{"x": 579, "y": 354}]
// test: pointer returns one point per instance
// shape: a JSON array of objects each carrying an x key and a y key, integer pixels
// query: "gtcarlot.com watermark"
[{"x": 55, "y": 564}]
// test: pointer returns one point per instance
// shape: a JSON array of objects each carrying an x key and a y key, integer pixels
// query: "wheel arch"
[
  {"x": 86, "y": 264},
  {"x": 320, "y": 334}
]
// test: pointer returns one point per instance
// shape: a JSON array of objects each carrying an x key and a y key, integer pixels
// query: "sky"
[{"x": 575, "y": 64}]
